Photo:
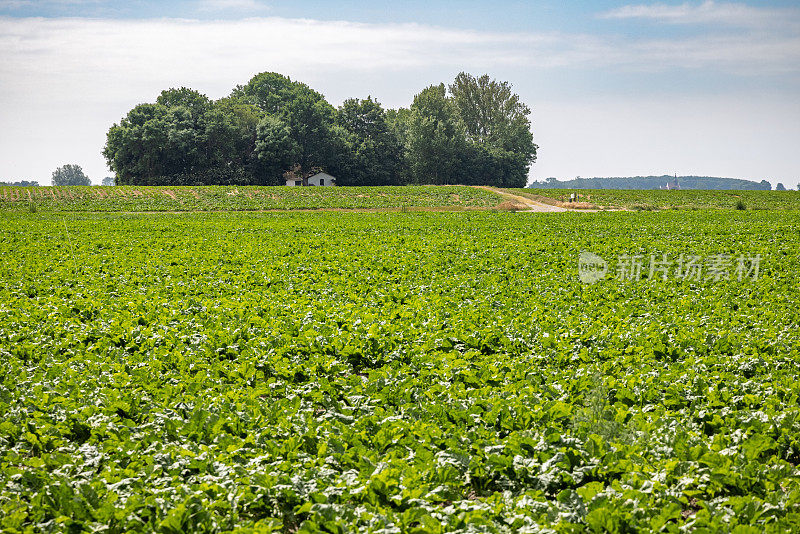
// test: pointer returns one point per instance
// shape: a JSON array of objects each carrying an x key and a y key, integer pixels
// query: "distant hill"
[{"x": 652, "y": 182}]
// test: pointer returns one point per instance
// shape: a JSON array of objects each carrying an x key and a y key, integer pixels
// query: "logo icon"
[{"x": 591, "y": 267}]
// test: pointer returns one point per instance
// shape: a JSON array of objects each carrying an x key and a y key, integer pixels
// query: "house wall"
[{"x": 327, "y": 180}]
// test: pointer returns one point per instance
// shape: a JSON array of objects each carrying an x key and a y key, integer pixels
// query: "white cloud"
[
  {"x": 126, "y": 56},
  {"x": 710, "y": 12},
  {"x": 124, "y": 59},
  {"x": 63, "y": 82}
]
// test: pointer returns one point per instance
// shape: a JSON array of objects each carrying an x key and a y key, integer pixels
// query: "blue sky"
[
  {"x": 566, "y": 15},
  {"x": 616, "y": 88}
]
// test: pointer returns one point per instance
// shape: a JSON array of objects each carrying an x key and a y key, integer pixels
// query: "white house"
[{"x": 320, "y": 179}]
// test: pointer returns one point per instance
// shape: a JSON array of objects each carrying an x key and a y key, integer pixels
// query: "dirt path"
[{"x": 529, "y": 204}]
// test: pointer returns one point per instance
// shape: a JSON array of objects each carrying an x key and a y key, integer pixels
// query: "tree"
[
  {"x": 435, "y": 140},
  {"x": 492, "y": 114},
  {"x": 185, "y": 145},
  {"x": 109, "y": 180},
  {"x": 244, "y": 118},
  {"x": 780, "y": 187},
  {"x": 373, "y": 152},
  {"x": 495, "y": 118},
  {"x": 272, "y": 92},
  {"x": 70, "y": 175},
  {"x": 134, "y": 147},
  {"x": 275, "y": 150},
  {"x": 310, "y": 123},
  {"x": 305, "y": 112},
  {"x": 183, "y": 139},
  {"x": 397, "y": 120},
  {"x": 479, "y": 134}
]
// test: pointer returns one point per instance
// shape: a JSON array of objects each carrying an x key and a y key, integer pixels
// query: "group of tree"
[
  {"x": 475, "y": 131},
  {"x": 652, "y": 182},
  {"x": 69, "y": 174}
]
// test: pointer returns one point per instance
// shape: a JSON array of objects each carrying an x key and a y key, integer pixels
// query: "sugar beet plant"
[{"x": 408, "y": 372}]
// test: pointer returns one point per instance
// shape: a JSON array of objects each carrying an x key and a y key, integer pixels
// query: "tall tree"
[
  {"x": 70, "y": 175},
  {"x": 134, "y": 146},
  {"x": 182, "y": 139},
  {"x": 435, "y": 140},
  {"x": 373, "y": 150},
  {"x": 397, "y": 120},
  {"x": 495, "y": 119},
  {"x": 244, "y": 118},
  {"x": 275, "y": 150},
  {"x": 492, "y": 114},
  {"x": 305, "y": 112},
  {"x": 310, "y": 123}
]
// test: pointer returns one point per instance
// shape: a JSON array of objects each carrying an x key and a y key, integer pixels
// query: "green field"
[
  {"x": 137, "y": 199},
  {"x": 680, "y": 199},
  {"x": 241, "y": 198},
  {"x": 395, "y": 372}
]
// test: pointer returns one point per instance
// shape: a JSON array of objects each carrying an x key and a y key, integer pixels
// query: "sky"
[{"x": 705, "y": 88}]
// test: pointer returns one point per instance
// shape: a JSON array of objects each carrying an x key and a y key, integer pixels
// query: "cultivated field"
[
  {"x": 250, "y": 198},
  {"x": 397, "y": 372},
  {"x": 680, "y": 199}
]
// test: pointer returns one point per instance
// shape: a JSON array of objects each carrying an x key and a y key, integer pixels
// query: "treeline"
[
  {"x": 475, "y": 131},
  {"x": 22, "y": 183},
  {"x": 653, "y": 182}
]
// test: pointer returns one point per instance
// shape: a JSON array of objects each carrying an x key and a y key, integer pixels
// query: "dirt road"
[{"x": 531, "y": 205}]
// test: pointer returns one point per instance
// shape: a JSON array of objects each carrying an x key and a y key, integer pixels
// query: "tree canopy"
[
  {"x": 492, "y": 115},
  {"x": 477, "y": 132}
]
